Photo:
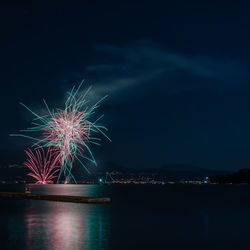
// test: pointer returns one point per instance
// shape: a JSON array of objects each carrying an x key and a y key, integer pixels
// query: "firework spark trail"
[
  {"x": 69, "y": 130},
  {"x": 43, "y": 166}
]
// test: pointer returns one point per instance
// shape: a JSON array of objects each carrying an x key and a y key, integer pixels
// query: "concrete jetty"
[{"x": 63, "y": 198}]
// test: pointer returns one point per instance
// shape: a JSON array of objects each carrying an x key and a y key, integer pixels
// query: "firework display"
[
  {"x": 69, "y": 131},
  {"x": 43, "y": 165}
]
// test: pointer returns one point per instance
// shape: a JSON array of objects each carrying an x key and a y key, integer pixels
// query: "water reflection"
[
  {"x": 59, "y": 225},
  {"x": 139, "y": 217},
  {"x": 206, "y": 223}
]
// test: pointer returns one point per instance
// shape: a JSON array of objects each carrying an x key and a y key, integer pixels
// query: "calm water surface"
[{"x": 139, "y": 217}]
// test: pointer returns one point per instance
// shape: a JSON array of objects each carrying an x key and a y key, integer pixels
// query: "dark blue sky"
[{"x": 177, "y": 75}]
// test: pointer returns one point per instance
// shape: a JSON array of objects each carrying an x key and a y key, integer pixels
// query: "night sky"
[{"x": 177, "y": 75}]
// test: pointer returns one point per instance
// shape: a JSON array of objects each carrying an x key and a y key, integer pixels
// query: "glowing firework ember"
[
  {"x": 43, "y": 166},
  {"x": 69, "y": 131}
]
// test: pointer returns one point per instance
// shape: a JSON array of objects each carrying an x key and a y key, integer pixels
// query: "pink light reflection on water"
[
  {"x": 59, "y": 225},
  {"x": 56, "y": 225}
]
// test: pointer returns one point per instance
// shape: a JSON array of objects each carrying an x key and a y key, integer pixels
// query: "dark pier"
[{"x": 63, "y": 198}]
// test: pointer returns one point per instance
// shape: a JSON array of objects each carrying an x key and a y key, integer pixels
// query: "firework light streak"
[
  {"x": 43, "y": 166},
  {"x": 69, "y": 130}
]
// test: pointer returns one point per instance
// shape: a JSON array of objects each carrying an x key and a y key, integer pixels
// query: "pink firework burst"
[
  {"x": 68, "y": 132},
  {"x": 43, "y": 165}
]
